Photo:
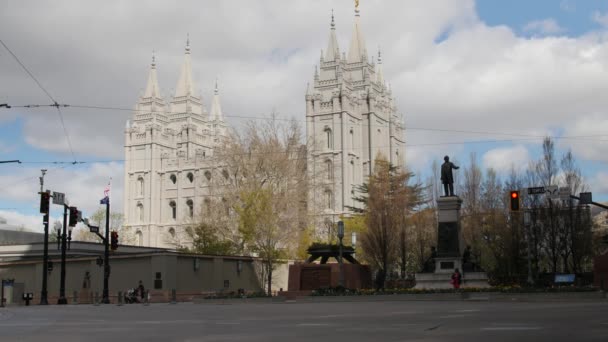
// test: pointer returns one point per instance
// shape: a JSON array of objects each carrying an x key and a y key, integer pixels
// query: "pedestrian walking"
[
  {"x": 141, "y": 290},
  {"x": 456, "y": 279}
]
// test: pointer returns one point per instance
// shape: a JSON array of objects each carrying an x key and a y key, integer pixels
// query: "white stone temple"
[
  {"x": 169, "y": 159},
  {"x": 351, "y": 118}
]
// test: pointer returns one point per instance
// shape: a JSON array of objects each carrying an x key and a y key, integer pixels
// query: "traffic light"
[
  {"x": 45, "y": 199},
  {"x": 114, "y": 240},
  {"x": 514, "y": 196},
  {"x": 73, "y": 217}
]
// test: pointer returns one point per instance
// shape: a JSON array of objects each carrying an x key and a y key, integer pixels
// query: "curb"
[{"x": 462, "y": 296}]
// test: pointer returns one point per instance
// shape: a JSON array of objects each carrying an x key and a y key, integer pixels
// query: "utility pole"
[
  {"x": 340, "y": 236},
  {"x": 106, "y": 264},
  {"x": 45, "y": 258},
  {"x": 62, "y": 298}
]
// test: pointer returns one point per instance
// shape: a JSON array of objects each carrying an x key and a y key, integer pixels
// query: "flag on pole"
[{"x": 106, "y": 193}]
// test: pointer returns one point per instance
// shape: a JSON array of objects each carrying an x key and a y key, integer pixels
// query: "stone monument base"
[{"x": 441, "y": 280}]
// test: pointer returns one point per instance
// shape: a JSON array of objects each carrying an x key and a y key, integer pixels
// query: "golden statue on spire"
[{"x": 356, "y": 5}]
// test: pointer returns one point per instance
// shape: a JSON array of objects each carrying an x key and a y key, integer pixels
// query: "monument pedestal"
[{"x": 449, "y": 251}]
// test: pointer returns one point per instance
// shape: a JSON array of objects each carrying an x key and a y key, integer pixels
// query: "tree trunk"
[{"x": 269, "y": 265}]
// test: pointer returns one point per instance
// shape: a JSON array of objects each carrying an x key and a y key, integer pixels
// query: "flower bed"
[{"x": 338, "y": 291}]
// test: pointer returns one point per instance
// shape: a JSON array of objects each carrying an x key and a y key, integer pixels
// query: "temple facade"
[
  {"x": 169, "y": 164},
  {"x": 351, "y": 119}
]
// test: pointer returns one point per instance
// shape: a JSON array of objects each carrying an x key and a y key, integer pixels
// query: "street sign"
[
  {"x": 58, "y": 198},
  {"x": 552, "y": 191},
  {"x": 94, "y": 229},
  {"x": 564, "y": 194},
  {"x": 536, "y": 190},
  {"x": 585, "y": 198}
]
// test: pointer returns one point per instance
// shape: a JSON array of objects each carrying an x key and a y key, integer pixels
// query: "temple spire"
[
  {"x": 380, "y": 71},
  {"x": 357, "y": 51},
  {"x": 216, "y": 108},
  {"x": 184, "y": 84},
  {"x": 333, "y": 51},
  {"x": 152, "y": 89}
]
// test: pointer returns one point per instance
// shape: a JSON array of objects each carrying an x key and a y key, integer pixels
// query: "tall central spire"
[
  {"x": 380, "y": 70},
  {"x": 184, "y": 85},
  {"x": 357, "y": 50},
  {"x": 333, "y": 51},
  {"x": 152, "y": 89}
]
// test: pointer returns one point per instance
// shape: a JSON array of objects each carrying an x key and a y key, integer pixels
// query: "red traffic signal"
[
  {"x": 514, "y": 196},
  {"x": 45, "y": 199}
]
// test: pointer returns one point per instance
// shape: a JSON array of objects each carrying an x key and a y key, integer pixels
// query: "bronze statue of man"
[{"x": 446, "y": 176}]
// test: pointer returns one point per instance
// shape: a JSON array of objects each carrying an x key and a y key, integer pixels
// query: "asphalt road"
[{"x": 368, "y": 321}]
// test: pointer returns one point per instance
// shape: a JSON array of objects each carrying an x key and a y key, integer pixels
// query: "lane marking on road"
[
  {"x": 228, "y": 323},
  {"x": 375, "y": 314},
  {"x": 454, "y": 316},
  {"x": 470, "y": 310},
  {"x": 509, "y": 328},
  {"x": 312, "y": 324}
]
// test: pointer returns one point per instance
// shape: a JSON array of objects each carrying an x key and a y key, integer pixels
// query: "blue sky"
[{"x": 511, "y": 67}]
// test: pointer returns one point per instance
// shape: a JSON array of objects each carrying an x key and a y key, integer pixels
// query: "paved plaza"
[{"x": 346, "y": 321}]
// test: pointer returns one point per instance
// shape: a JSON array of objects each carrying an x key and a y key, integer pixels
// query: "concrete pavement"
[{"x": 348, "y": 321}]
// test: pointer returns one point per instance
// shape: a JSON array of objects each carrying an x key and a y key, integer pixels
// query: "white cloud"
[
  {"x": 83, "y": 186},
  {"x": 28, "y": 222},
  {"x": 599, "y": 183},
  {"x": 545, "y": 26},
  {"x": 600, "y": 18},
  {"x": 480, "y": 77},
  {"x": 567, "y": 6},
  {"x": 589, "y": 136},
  {"x": 502, "y": 159}
]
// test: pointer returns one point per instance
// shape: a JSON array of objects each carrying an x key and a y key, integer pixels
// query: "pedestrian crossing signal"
[{"x": 514, "y": 196}]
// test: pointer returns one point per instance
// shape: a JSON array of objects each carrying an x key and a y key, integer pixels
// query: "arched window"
[
  {"x": 352, "y": 172},
  {"x": 207, "y": 205},
  {"x": 190, "y": 177},
  {"x": 190, "y": 205},
  {"x": 208, "y": 175},
  {"x": 173, "y": 178},
  {"x": 140, "y": 212},
  {"x": 172, "y": 233},
  {"x": 173, "y": 209},
  {"x": 140, "y": 186},
  {"x": 140, "y": 238},
  {"x": 329, "y": 138},
  {"x": 352, "y": 139},
  {"x": 329, "y": 203},
  {"x": 225, "y": 173},
  {"x": 329, "y": 168}
]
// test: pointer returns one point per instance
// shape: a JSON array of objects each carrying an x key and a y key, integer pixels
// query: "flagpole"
[{"x": 106, "y": 265}]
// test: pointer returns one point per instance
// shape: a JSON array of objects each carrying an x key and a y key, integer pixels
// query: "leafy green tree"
[{"x": 387, "y": 200}]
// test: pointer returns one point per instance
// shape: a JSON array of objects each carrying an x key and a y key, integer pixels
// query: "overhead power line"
[
  {"x": 407, "y": 128},
  {"x": 55, "y": 104}
]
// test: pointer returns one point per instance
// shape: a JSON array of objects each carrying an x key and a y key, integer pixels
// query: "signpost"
[
  {"x": 552, "y": 191},
  {"x": 564, "y": 194},
  {"x": 586, "y": 198},
  {"x": 539, "y": 190},
  {"x": 58, "y": 198}
]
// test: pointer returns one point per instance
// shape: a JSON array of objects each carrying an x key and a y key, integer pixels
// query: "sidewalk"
[{"x": 460, "y": 296}]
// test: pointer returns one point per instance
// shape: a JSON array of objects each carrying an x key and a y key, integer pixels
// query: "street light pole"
[
  {"x": 106, "y": 264},
  {"x": 45, "y": 257},
  {"x": 62, "y": 298},
  {"x": 340, "y": 237}
]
